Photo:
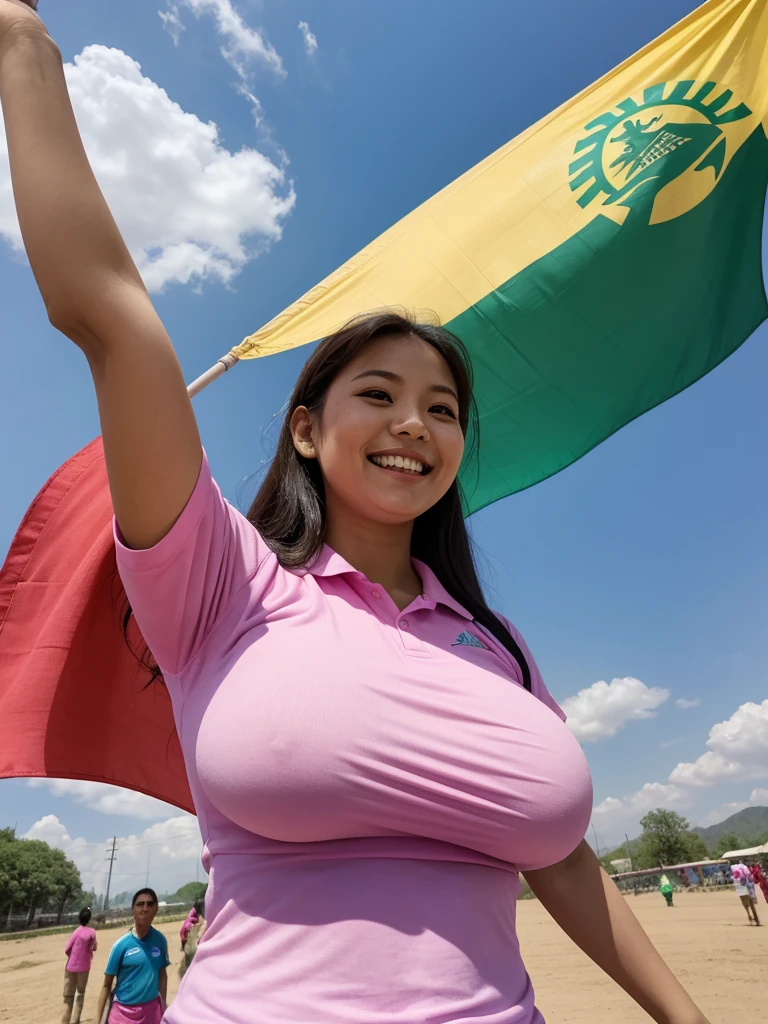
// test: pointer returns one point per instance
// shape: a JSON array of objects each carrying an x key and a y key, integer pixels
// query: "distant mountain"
[{"x": 744, "y": 823}]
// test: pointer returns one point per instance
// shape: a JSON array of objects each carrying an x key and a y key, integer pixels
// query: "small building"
[
  {"x": 753, "y": 851},
  {"x": 622, "y": 864}
]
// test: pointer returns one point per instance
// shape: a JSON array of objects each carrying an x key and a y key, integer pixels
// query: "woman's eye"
[
  {"x": 376, "y": 393},
  {"x": 443, "y": 410}
]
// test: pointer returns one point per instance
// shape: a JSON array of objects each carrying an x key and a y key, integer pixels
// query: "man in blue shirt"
[{"x": 138, "y": 960}]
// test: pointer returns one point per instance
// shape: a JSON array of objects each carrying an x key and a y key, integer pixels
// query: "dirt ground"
[{"x": 705, "y": 938}]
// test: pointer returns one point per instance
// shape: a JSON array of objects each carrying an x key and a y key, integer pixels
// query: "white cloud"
[
  {"x": 709, "y": 770},
  {"x": 172, "y": 22},
  {"x": 89, "y": 857},
  {"x": 738, "y": 750},
  {"x": 167, "y": 852},
  {"x": 105, "y": 798},
  {"x": 243, "y": 45},
  {"x": 744, "y": 736},
  {"x": 310, "y": 39},
  {"x": 685, "y": 704},
  {"x": 189, "y": 210},
  {"x": 600, "y": 710},
  {"x": 652, "y": 794}
]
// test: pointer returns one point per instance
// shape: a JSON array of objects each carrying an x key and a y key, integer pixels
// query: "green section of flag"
[{"x": 610, "y": 324}]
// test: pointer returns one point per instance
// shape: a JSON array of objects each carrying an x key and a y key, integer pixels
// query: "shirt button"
[
  {"x": 375, "y": 593},
  {"x": 403, "y": 623}
]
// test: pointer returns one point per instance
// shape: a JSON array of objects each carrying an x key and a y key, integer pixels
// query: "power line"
[
  {"x": 156, "y": 842},
  {"x": 112, "y": 856},
  {"x": 629, "y": 851},
  {"x": 137, "y": 842}
]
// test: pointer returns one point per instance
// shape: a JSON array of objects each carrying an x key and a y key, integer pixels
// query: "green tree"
[
  {"x": 755, "y": 839},
  {"x": 695, "y": 846},
  {"x": 35, "y": 875},
  {"x": 727, "y": 841},
  {"x": 12, "y": 891},
  {"x": 733, "y": 841},
  {"x": 667, "y": 839},
  {"x": 189, "y": 893}
]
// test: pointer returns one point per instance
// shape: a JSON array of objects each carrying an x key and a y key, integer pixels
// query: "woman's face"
[
  {"x": 144, "y": 910},
  {"x": 388, "y": 440}
]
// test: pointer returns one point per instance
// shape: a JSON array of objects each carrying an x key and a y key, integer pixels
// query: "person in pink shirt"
[
  {"x": 373, "y": 754},
  {"x": 188, "y": 924},
  {"x": 191, "y": 932},
  {"x": 80, "y": 948}
]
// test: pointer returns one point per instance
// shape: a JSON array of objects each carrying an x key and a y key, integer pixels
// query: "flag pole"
[{"x": 219, "y": 368}]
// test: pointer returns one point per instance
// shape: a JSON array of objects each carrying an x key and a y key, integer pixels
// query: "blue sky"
[{"x": 642, "y": 567}]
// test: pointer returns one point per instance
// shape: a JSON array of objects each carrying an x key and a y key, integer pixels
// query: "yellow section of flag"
[{"x": 519, "y": 204}]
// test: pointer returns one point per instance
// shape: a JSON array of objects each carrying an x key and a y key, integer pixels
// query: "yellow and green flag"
[{"x": 594, "y": 266}]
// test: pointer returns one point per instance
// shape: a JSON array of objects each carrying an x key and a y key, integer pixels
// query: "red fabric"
[
  {"x": 759, "y": 878},
  {"x": 73, "y": 698}
]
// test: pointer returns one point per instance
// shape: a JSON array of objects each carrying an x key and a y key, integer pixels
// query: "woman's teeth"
[{"x": 398, "y": 462}]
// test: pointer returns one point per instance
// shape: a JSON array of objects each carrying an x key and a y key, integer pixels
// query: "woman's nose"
[{"x": 411, "y": 426}]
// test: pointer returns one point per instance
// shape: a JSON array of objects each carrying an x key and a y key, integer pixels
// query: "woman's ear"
[{"x": 301, "y": 432}]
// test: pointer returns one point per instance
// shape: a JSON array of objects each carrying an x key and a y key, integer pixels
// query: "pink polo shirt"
[
  {"x": 368, "y": 783},
  {"x": 80, "y": 948}
]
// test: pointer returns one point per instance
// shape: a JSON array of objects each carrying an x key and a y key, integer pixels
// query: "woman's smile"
[{"x": 402, "y": 462}]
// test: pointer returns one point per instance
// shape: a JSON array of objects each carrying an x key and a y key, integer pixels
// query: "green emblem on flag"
[{"x": 632, "y": 153}]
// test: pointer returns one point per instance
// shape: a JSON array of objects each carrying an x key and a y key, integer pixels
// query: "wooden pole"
[{"x": 218, "y": 369}]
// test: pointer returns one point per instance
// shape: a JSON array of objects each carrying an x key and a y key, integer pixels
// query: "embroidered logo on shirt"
[
  {"x": 134, "y": 949},
  {"x": 155, "y": 951},
  {"x": 466, "y": 639}
]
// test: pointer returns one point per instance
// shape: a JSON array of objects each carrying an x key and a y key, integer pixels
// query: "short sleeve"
[
  {"x": 538, "y": 686},
  {"x": 163, "y": 942},
  {"x": 115, "y": 958},
  {"x": 179, "y": 588}
]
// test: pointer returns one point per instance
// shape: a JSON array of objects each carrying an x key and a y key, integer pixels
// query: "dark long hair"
[{"x": 289, "y": 508}]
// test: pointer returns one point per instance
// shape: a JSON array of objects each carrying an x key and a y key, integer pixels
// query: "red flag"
[{"x": 74, "y": 700}]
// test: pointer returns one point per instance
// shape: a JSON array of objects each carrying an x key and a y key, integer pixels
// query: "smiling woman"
[
  {"x": 372, "y": 752},
  {"x": 381, "y": 381}
]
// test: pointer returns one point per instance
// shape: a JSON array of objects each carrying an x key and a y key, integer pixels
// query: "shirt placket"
[{"x": 379, "y": 601}]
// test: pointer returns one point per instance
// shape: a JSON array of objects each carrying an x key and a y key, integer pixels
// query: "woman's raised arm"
[{"x": 91, "y": 288}]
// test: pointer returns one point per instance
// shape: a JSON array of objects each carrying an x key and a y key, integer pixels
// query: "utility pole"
[
  {"x": 149, "y": 851},
  {"x": 629, "y": 851},
  {"x": 597, "y": 845},
  {"x": 111, "y": 857}
]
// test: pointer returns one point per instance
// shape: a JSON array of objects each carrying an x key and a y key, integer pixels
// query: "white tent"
[{"x": 753, "y": 851}]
